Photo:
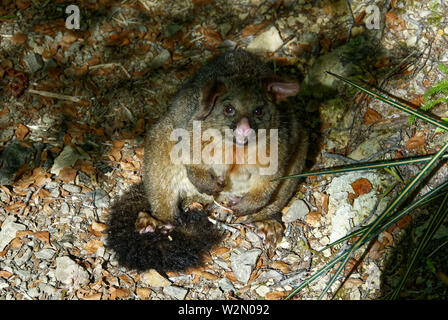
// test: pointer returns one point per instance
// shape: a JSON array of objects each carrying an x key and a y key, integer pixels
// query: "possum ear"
[
  {"x": 210, "y": 93},
  {"x": 281, "y": 89}
]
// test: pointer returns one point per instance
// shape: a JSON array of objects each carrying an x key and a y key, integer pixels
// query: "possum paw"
[
  {"x": 146, "y": 224},
  {"x": 272, "y": 231}
]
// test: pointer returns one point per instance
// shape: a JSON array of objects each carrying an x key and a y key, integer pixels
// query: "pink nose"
[{"x": 243, "y": 127}]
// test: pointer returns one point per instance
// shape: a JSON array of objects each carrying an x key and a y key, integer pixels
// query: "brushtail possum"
[{"x": 238, "y": 98}]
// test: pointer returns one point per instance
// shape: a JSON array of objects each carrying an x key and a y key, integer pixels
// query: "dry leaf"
[
  {"x": 280, "y": 265},
  {"x": 253, "y": 29},
  {"x": 119, "y": 293},
  {"x": 5, "y": 274},
  {"x": 417, "y": 140},
  {"x": 211, "y": 37},
  {"x": 93, "y": 245},
  {"x": 4, "y": 112},
  {"x": 21, "y": 131},
  {"x": 275, "y": 295},
  {"x": 313, "y": 218},
  {"x": 417, "y": 101},
  {"x": 208, "y": 275},
  {"x": 231, "y": 276},
  {"x": 371, "y": 116},
  {"x": 19, "y": 38},
  {"x": 217, "y": 251},
  {"x": 43, "y": 236},
  {"x": 361, "y": 186},
  {"x": 144, "y": 293},
  {"x": 68, "y": 174},
  {"x": 115, "y": 153}
]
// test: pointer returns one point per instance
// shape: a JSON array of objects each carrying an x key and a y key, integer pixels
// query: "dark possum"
[
  {"x": 155, "y": 250},
  {"x": 235, "y": 91}
]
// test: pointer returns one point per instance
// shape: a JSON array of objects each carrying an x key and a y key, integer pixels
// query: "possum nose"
[{"x": 243, "y": 127}]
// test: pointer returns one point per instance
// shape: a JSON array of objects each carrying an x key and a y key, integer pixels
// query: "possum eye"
[
  {"x": 258, "y": 111},
  {"x": 229, "y": 110}
]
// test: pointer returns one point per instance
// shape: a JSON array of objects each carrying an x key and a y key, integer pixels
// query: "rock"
[
  {"x": 45, "y": 254},
  {"x": 175, "y": 292},
  {"x": 8, "y": 231},
  {"x": 243, "y": 263},
  {"x": 152, "y": 278},
  {"x": 12, "y": 158},
  {"x": 253, "y": 238},
  {"x": 269, "y": 275},
  {"x": 34, "y": 62},
  {"x": 262, "y": 290},
  {"x": 268, "y": 41},
  {"x": 71, "y": 188},
  {"x": 297, "y": 210},
  {"x": 24, "y": 257},
  {"x": 3, "y": 284},
  {"x": 100, "y": 198},
  {"x": 226, "y": 285},
  {"x": 70, "y": 273},
  {"x": 160, "y": 59},
  {"x": 67, "y": 158}
]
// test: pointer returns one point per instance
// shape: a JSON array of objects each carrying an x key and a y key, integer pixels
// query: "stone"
[
  {"x": 243, "y": 263},
  {"x": 226, "y": 285},
  {"x": 297, "y": 210},
  {"x": 152, "y": 278},
  {"x": 45, "y": 254},
  {"x": 175, "y": 292},
  {"x": 160, "y": 59},
  {"x": 68, "y": 157},
  {"x": 8, "y": 231},
  {"x": 268, "y": 41},
  {"x": 70, "y": 273},
  {"x": 34, "y": 62}
]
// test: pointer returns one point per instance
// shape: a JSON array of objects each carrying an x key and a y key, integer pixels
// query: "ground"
[{"x": 75, "y": 105}]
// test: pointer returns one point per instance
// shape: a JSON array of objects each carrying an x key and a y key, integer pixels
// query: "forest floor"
[{"x": 75, "y": 105}]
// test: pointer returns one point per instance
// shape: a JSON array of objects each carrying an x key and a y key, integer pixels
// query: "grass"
[{"x": 391, "y": 213}]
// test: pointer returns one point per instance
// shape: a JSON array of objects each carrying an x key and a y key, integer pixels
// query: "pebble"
[
  {"x": 45, "y": 254},
  {"x": 175, "y": 292},
  {"x": 269, "y": 275},
  {"x": 226, "y": 285},
  {"x": 152, "y": 278},
  {"x": 160, "y": 59},
  {"x": 71, "y": 188},
  {"x": 243, "y": 263},
  {"x": 8, "y": 231},
  {"x": 34, "y": 62},
  {"x": 70, "y": 273},
  {"x": 262, "y": 290},
  {"x": 24, "y": 257},
  {"x": 100, "y": 198},
  {"x": 268, "y": 41},
  {"x": 297, "y": 210}
]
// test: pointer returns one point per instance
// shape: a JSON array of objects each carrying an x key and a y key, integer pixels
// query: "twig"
[
  {"x": 111, "y": 64},
  {"x": 55, "y": 95},
  {"x": 349, "y": 8},
  {"x": 224, "y": 226}
]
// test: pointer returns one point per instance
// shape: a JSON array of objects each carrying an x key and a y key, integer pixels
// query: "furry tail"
[{"x": 191, "y": 237}]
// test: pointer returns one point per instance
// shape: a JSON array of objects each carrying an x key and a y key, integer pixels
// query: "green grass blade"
[
  {"x": 417, "y": 113},
  {"x": 425, "y": 199},
  {"x": 434, "y": 223},
  {"x": 364, "y": 166},
  {"x": 377, "y": 223},
  {"x": 317, "y": 274}
]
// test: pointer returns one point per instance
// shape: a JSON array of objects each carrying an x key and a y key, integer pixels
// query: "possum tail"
[{"x": 191, "y": 238}]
